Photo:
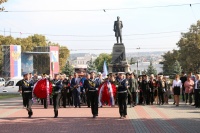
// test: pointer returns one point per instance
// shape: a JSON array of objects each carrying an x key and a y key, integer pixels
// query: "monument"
[{"x": 118, "y": 63}]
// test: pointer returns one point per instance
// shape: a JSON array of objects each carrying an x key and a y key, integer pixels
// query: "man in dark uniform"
[
  {"x": 27, "y": 93},
  {"x": 122, "y": 95},
  {"x": 93, "y": 94},
  {"x": 57, "y": 87},
  {"x": 85, "y": 86}
]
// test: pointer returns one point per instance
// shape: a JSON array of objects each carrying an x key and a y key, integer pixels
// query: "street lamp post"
[{"x": 137, "y": 59}]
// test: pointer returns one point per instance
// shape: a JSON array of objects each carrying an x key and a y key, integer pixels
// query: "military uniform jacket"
[
  {"x": 57, "y": 86},
  {"x": 122, "y": 85},
  {"x": 133, "y": 83},
  {"x": 92, "y": 85},
  {"x": 26, "y": 86}
]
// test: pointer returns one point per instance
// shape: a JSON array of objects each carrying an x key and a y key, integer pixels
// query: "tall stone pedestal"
[{"x": 118, "y": 63}]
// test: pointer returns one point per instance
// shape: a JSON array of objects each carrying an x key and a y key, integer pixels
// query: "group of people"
[
  {"x": 188, "y": 85},
  {"x": 121, "y": 88}
]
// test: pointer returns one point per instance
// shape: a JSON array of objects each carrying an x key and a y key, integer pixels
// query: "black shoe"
[
  {"x": 30, "y": 114},
  {"x": 173, "y": 103},
  {"x": 56, "y": 113},
  {"x": 79, "y": 106},
  {"x": 94, "y": 116}
]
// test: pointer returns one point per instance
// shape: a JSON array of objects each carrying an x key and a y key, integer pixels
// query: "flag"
[{"x": 105, "y": 70}]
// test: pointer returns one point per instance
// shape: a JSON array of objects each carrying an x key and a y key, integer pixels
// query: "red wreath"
[
  {"x": 105, "y": 93},
  {"x": 40, "y": 88}
]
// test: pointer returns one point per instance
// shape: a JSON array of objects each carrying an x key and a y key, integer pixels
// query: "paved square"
[{"x": 141, "y": 119}]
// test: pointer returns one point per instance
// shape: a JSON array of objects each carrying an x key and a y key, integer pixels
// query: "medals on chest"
[{"x": 91, "y": 83}]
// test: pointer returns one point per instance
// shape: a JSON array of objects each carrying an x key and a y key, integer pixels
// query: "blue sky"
[{"x": 98, "y": 25}]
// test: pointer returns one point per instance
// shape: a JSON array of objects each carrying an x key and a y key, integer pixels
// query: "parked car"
[
  {"x": 2, "y": 81},
  {"x": 10, "y": 86}
]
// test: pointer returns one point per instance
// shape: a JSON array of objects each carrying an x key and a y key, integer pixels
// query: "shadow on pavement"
[
  {"x": 65, "y": 124},
  {"x": 97, "y": 125}
]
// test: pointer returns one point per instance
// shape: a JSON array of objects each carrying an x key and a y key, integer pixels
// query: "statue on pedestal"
[{"x": 118, "y": 29}]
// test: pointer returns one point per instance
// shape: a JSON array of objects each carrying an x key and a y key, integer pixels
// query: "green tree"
[
  {"x": 188, "y": 53},
  {"x": 68, "y": 69},
  {"x": 177, "y": 67},
  {"x": 63, "y": 56},
  {"x": 144, "y": 72},
  {"x": 151, "y": 69},
  {"x": 100, "y": 60},
  {"x": 189, "y": 45},
  {"x": 91, "y": 66},
  {"x": 168, "y": 61},
  {"x": 28, "y": 44}
]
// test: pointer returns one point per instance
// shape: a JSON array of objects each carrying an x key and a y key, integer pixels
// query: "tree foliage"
[
  {"x": 2, "y": 1},
  {"x": 68, "y": 69},
  {"x": 91, "y": 66},
  {"x": 100, "y": 60},
  {"x": 169, "y": 60},
  {"x": 177, "y": 68},
  {"x": 63, "y": 56},
  {"x": 188, "y": 53},
  {"x": 28, "y": 44},
  {"x": 151, "y": 69}
]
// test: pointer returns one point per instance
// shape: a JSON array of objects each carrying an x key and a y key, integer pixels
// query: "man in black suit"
[
  {"x": 145, "y": 88},
  {"x": 76, "y": 90}
]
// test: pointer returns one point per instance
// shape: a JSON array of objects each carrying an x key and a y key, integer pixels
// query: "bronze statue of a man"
[{"x": 118, "y": 29}]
